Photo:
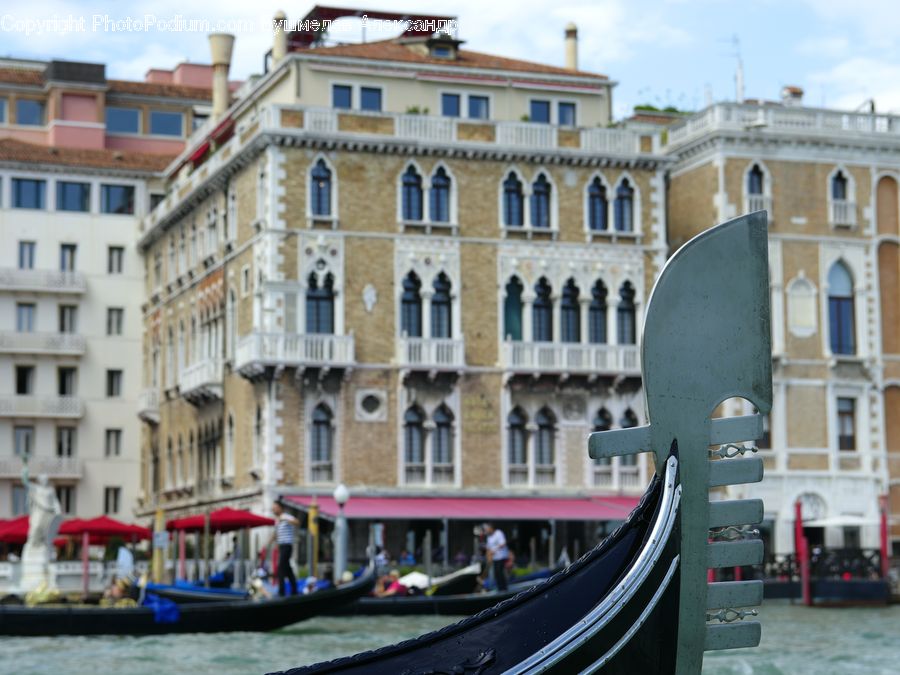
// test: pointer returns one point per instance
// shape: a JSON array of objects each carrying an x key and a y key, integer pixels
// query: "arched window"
[
  {"x": 540, "y": 202},
  {"x": 440, "y": 308},
  {"x": 411, "y": 306},
  {"x": 517, "y": 446},
  {"x": 257, "y": 438},
  {"x": 412, "y": 194},
  {"x": 320, "y": 305},
  {"x": 321, "y": 444},
  {"x": 801, "y": 307},
  {"x": 545, "y": 446},
  {"x": 170, "y": 465},
  {"x": 440, "y": 197},
  {"x": 597, "y": 314},
  {"x": 625, "y": 315},
  {"x": 414, "y": 444},
  {"x": 755, "y": 181},
  {"x": 597, "y": 206},
  {"x": 512, "y": 310},
  {"x": 624, "y": 207},
  {"x": 603, "y": 422},
  {"x": 570, "y": 313},
  {"x": 442, "y": 446},
  {"x": 229, "y": 446},
  {"x": 179, "y": 464},
  {"x": 840, "y": 310},
  {"x": 512, "y": 201},
  {"x": 839, "y": 186},
  {"x": 542, "y": 312},
  {"x": 320, "y": 189},
  {"x": 629, "y": 420},
  {"x": 191, "y": 461},
  {"x": 231, "y": 323}
]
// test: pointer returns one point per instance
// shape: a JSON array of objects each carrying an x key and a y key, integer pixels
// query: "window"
[
  {"x": 123, "y": 121},
  {"x": 111, "y": 497},
  {"x": 65, "y": 441},
  {"x": 65, "y": 377},
  {"x": 73, "y": 196},
  {"x": 26, "y": 255},
  {"x": 598, "y": 207},
  {"x": 479, "y": 108},
  {"x": 156, "y": 199},
  {"x": 113, "y": 383},
  {"x": 440, "y": 308},
  {"x": 512, "y": 201},
  {"x": 19, "y": 500},
  {"x": 839, "y": 187},
  {"x": 113, "y": 447},
  {"x": 257, "y": 437},
  {"x": 512, "y": 310},
  {"x": 566, "y": 114},
  {"x": 764, "y": 442},
  {"x": 24, "y": 317},
  {"x": 114, "y": 316},
  {"x": 411, "y": 198},
  {"x": 540, "y": 202},
  {"x": 441, "y": 52},
  {"x": 570, "y": 313},
  {"x": 542, "y": 312},
  {"x": 755, "y": 181},
  {"x": 450, "y": 105},
  {"x": 24, "y": 380},
  {"x": 624, "y": 207},
  {"x": 628, "y": 421},
  {"x": 414, "y": 445},
  {"x": 320, "y": 189},
  {"x": 517, "y": 450},
  {"x": 597, "y": 314},
  {"x": 442, "y": 446},
  {"x": 801, "y": 307},
  {"x": 245, "y": 280},
  {"x": 840, "y": 310},
  {"x": 67, "y": 257},
  {"x": 625, "y": 315},
  {"x": 28, "y": 193},
  {"x": 411, "y": 307},
  {"x": 602, "y": 422},
  {"x": 846, "y": 412},
  {"x": 370, "y": 98},
  {"x": 231, "y": 215},
  {"x": 166, "y": 123},
  {"x": 342, "y": 96},
  {"x": 229, "y": 446},
  {"x": 320, "y": 305},
  {"x": 198, "y": 121},
  {"x": 68, "y": 319},
  {"x": 321, "y": 446},
  {"x": 115, "y": 258},
  {"x": 66, "y": 496},
  {"x": 545, "y": 446},
  {"x": 440, "y": 197},
  {"x": 540, "y": 111},
  {"x": 117, "y": 199},
  {"x": 23, "y": 441},
  {"x": 2, "y": 111},
  {"x": 30, "y": 112}
]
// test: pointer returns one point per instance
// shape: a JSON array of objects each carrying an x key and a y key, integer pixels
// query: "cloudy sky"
[{"x": 664, "y": 52}]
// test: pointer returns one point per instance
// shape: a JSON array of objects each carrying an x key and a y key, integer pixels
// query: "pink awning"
[{"x": 474, "y": 508}]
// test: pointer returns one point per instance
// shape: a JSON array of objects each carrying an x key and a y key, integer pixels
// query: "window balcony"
[
  {"x": 571, "y": 358},
  {"x": 58, "y": 407},
  {"x": 52, "y": 467},
  {"x": 201, "y": 381},
  {"x": 623, "y": 479},
  {"x": 257, "y": 351},
  {"x": 431, "y": 354},
  {"x": 42, "y": 281},
  {"x": 148, "y": 405},
  {"x": 756, "y": 202},
  {"x": 842, "y": 213},
  {"x": 62, "y": 344}
]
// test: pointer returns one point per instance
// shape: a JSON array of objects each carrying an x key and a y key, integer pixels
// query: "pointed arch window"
[
  {"x": 841, "y": 321},
  {"x": 625, "y": 319},
  {"x": 540, "y": 202},
  {"x": 542, "y": 312},
  {"x": 597, "y": 206},
  {"x": 570, "y": 313},
  {"x": 597, "y": 314},
  {"x": 442, "y": 446},
  {"x": 755, "y": 180},
  {"x": 512, "y": 201},
  {"x": 603, "y": 421},
  {"x": 231, "y": 323},
  {"x": 257, "y": 438},
  {"x": 441, "y": 319},
  {"x": 517, "y": 450},
  {"x": 439, "y": 202},
  {"x": 320, "y": 305},
  {"x": 229, "y": 446},
  {"x": 628, "y": 421},
  {"x": 320, "y": 189},
  {"x": 512, "y": 310},
  {"x": 545, "y": 447},
  {"x": 624, "y": 207},
  {"x": 321, "y": 445},
  {"x": 411, "y": 306},
  {"x": 412, "y": 194},
  {"x": 839, "y": 186},
  {"x": 170, "y": 465},
  {"x": 414, "y": 444}
]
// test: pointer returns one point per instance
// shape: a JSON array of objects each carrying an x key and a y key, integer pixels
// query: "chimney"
[
  {"x": 220, "y": 45},
  {"x": 279, "y": 46},
  {"x": 571, "y": 46},
  {"x": 792, "y": 97}
]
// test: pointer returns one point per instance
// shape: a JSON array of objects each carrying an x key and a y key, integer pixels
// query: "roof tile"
[{"x": 12, "y": 150}]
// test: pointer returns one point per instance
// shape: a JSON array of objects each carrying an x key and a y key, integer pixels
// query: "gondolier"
[
  {"x": 498, "y": 553},
  {"x": 285, "y": 532}
]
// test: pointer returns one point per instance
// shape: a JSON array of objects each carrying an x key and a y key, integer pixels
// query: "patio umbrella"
[
  {"x": 104, "y": 526},
  {"x": 15, "y": 531},
  {"x": 223, "y": 520}
]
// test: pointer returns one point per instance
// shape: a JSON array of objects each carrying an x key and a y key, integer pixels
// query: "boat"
[
  {"x": 188, "y": 593},
  {"x": 207, "y": 617},
  {"x": 640, "y": 601}
]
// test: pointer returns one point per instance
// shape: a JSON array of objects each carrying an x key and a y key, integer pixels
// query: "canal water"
[{"x": 796, "y": 641}]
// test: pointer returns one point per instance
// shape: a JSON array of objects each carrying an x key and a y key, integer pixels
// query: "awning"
[
  {"x": 224, "y": 520},
  {"x": 473, "y": 508}
]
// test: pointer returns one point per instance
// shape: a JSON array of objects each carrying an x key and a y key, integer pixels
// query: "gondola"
[
  {"x": 640, "y": 602},
  {"x": 211, "y": 617},
  {"x": 185, "y": 593}
]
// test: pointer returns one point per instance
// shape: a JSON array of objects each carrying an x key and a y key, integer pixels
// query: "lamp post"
[{"x": 341, "y": 496}]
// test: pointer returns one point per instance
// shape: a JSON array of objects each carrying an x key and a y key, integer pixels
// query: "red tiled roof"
[
  {"x": 12, "y": 150},
  {"x": 159, "y": 89},
  {"x": 21, "y": 76},
  {"x": 391, "y": 50}
]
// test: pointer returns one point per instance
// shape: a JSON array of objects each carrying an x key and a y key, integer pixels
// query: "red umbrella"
[
  {"x": 14, "y": 531},
  {"x": 104, "y": 526},
  {"x": 223, "y": 520}
]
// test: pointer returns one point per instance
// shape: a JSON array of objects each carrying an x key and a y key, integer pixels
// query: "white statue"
[{"x": 43, "y": 514}]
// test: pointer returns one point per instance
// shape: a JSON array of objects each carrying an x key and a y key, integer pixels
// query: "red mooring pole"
[{"x": 801, "y": 550}]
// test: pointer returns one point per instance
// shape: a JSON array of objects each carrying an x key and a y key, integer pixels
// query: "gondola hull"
[
  {"x": 409, "y": 605},
  {"x": 185, "y": 595}
]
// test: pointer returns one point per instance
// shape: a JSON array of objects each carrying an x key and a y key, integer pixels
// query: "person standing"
[
  {"x": 498, "y": 554},
  {"x": 285, "y": 532}
]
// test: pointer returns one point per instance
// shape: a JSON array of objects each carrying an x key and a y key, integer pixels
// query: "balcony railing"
[
  {"x": 52, "y": 467},
  {"x": 625, "y": 478},
  {"x": 553, "y": 357},
  {"x": 842, "y": 213},
  {"x": 431, "y": 353},
  {"x": 758, "y": 203},
  {"x": 67, "y": 344},
  {"x": 201, "y": 379},
  {"x": 148, "y": 405},
  {"x": 41, "y": 281},
  {"x": 294, "y": 350},
  {"x": 68, "y": 407}
]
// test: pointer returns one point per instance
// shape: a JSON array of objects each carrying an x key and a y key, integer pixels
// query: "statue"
[{"x": 43, "y": 513}]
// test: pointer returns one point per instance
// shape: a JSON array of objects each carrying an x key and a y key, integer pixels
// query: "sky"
[{"x": 662, "y": 52}]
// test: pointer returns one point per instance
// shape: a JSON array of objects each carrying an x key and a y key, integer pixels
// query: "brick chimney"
[
  {"x": 220, "y": 46},
  {"x": 571, "y": 46}
]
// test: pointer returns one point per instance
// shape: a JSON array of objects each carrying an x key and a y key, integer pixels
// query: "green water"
[{"x": 795, "y": 641}]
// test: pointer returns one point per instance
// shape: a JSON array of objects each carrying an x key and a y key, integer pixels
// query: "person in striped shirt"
[{"x": 284, "y": 534}]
